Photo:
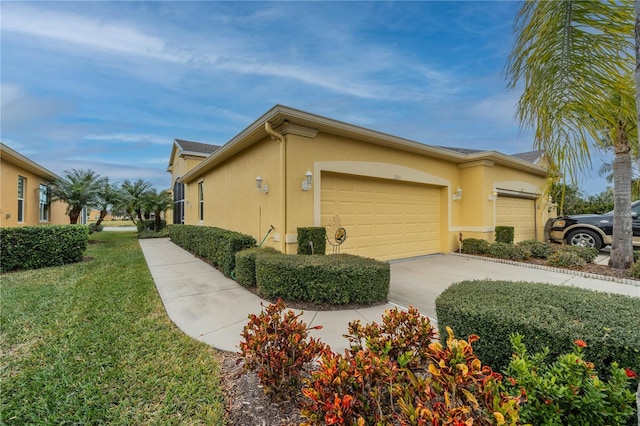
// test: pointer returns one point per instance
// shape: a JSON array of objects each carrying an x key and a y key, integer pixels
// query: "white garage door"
[
  {"x": 519, "y": 213},
  {"x": 384, "y": 219}
]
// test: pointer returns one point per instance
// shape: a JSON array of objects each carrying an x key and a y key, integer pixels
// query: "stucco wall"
[
  {"x": 9, "y": 173},
  {"x": 232, "y": 201}
]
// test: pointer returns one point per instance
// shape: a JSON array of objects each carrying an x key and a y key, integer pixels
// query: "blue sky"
[{"x": 109, "y": 85}]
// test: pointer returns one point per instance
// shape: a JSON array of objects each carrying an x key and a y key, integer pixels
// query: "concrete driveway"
[{"x": 417, "y": 282}]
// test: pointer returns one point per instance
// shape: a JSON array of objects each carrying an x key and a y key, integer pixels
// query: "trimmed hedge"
[
  {"x": 150, "y": 225},
  {"x": 215, "y": 245},
  {"x": 474, "y": 246},
  {"x": 506, "y": 251},
  {"x": 505, "y": 234},
  {"x": 246, "y": 264},
  {"x": 537, "y": 249},
  {"x": 547, "y": 315},
  {"x": 32, "y": 247},
  {"x": 336, "y": 279},
  {"x": 317, "y": 235}
]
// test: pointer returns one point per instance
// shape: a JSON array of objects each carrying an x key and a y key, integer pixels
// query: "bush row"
[
  {"x": 150, "y": 225},
  {"x": 32, "y": 247},
  {"x": 312, "y": 240},
  {"x": 557, "y": 255},
  {"x": 548, "y": 315},
  {"x": 215, "y": 245},
  {"x": 246, "y": 264},
  {"x": 336, "y": 279},
  {"x": 394, "y": 373}
]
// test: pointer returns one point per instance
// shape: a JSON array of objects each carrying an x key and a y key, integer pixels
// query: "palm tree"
[
  {"x": 132, "y": 196},
  {"x": 78, "y": 189},
  {"x": 108, "y": 196},
  {"x": 157, "y": 202},
  {"x": 575, "y": 59}
]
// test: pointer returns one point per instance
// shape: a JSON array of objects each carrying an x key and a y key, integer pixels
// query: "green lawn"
[{"x": 90, "y": 343}]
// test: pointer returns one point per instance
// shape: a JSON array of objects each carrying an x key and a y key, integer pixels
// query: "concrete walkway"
[{"x": 206, "y": 305}]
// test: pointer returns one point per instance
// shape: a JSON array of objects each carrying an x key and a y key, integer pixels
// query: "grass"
[
  {"x": 90, "y": 343},
  {"x": 113, "y": 223}
]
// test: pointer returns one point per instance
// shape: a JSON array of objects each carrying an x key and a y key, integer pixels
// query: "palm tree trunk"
[
  {"x": 73, "y": 216},
  {"x": 103, "y": 214},
  {"x": 622, "y": 248}
]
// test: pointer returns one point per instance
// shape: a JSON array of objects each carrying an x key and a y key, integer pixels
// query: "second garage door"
[
  {"x": 519, "y": 213},
  {"x": 384, "y": 219}
]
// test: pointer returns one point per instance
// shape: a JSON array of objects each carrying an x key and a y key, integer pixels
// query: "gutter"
[{"x": 283, "y": 181}]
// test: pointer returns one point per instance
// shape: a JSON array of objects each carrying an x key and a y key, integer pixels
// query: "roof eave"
[{"x": 27, "y": 163}]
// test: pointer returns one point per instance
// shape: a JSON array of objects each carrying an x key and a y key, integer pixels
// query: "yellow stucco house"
[
  {"x": 24, "y": 195},
  {"x": 395, "y": 198},
  {"x": 185, "y": 155}
]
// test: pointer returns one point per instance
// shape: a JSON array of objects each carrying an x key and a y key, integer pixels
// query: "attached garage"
[
  {"x": 519, "y": 213},
  {"x": 384, "y": 219}
]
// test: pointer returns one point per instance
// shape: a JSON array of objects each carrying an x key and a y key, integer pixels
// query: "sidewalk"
[{"x": 212, "y": 308}]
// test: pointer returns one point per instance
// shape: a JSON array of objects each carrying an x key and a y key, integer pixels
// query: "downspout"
[{"x": 283, "y": 182}]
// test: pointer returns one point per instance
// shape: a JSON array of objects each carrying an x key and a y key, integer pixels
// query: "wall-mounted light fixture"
[
  {"x": 457, "y": 195},
  {"x": 306, "y": 183},
  {"x": 493, "y": 196},
  {"x": 260, "y": 186}
]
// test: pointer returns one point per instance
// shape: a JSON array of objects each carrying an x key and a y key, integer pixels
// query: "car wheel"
[{"x": 584, "y": 238}]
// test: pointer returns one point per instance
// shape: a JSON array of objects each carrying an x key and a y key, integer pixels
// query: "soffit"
[{"x": 281, "y": 116}]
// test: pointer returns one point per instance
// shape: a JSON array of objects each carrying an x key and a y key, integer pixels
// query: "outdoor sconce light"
[
  {"x": 457, "y": 195},
  {"x": 306, "y": 183},
  {"x": 493, "y": 196},
  {"x": 260, "y": 186}
]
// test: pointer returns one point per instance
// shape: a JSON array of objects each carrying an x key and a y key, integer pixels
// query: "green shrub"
[
  {"x": 588, "y": 254},
  {"x": 506, "y": 251},
  {"x": 636, "y": 255},
  {"x": 150, "y": 225},
  {"x": 215, "y": 245},
  {"x": 635, "y": 270},
  {"x": 32, "y": 247},
  {"x": 164, "y": 233},
  {"x": 246, "y": 264},
  {"x": 537, "y": 249},
  {"x": 336, "y": 279},
  {"x": 93, "y": 228},
  {"x": 547, "y": 315},
  {"x": 565, "y": 259},
  {"x": 504, "y": 234},
  {"x": 315, "y": 236},
  {"x": 568, "y": 391},
  {"x": 474, "y": 246}
]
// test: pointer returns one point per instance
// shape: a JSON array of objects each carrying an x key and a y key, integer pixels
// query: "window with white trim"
[
  {"x": 22, "y": 183},
  {"x": 200, "y": 201},
  {"x": 45, "y": 203}
]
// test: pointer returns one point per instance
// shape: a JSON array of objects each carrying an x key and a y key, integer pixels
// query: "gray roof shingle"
[{"x": 192, "y": 146}]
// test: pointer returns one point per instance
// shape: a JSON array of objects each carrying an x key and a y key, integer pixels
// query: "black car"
[{"x": 591, "y": 230}]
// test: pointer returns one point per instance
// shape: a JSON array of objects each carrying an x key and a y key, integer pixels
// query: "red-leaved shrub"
[{"x": 278, "y": 348}]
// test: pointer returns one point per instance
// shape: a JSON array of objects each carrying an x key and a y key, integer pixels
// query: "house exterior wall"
[
  {"x": 232, "y": 201},
  {"x": 283, "y": 158},
  {"x": 231, "y": 198},
  {"x": 9, "y": 172}
]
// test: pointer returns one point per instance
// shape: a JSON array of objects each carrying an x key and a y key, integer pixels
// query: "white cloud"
[
  {"x": 85, "y": 31},
  {"x": 130, "y": 137}
]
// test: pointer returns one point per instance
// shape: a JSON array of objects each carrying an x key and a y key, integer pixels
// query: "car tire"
[{"x": 584, "y": 238}]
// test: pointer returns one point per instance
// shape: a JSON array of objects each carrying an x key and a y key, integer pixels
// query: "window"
[
  {"x": 21, "y": 184},
  {"x": 45, "y": 203},
  {"x": 201, "y": 200},
  {"x": 178, "y": 203}
]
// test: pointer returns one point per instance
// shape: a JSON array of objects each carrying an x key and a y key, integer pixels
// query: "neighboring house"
[
  {"x": 395, "y": 198},
  {"x": 25, "y": 197},
  {"x": 185, "y": 155}
]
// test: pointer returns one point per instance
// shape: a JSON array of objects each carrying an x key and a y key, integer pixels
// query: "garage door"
[
  {"x": 519, "y": 213},
  {"x": 384, "y": 219}
]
